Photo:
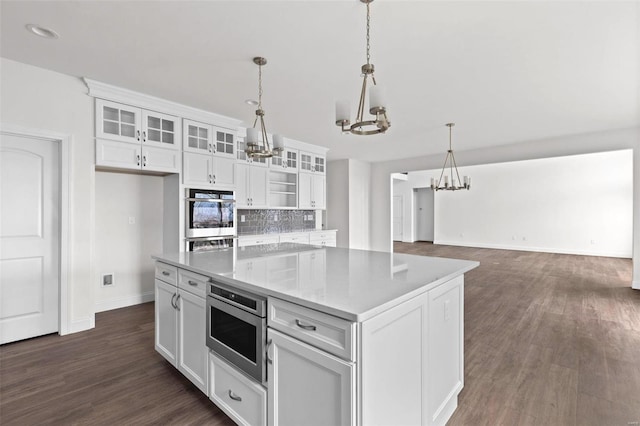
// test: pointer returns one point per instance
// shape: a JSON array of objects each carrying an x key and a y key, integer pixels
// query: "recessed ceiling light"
[
  {"x": 42, "y": 31},
  {"x": 251, "y": 102}
]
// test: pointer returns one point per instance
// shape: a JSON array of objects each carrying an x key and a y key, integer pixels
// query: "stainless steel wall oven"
[
  {"x": 210, "y": 213},
  {"x": 237, "y": 328}
]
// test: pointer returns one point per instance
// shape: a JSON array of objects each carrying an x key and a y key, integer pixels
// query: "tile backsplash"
[{"x": 275, "y": 221}]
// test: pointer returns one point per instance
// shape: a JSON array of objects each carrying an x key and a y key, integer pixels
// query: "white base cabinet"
[
  {"x": 242, "y": 399},
  {"x": 308, "y": 386},
  {"x": 180, "y": 325}
]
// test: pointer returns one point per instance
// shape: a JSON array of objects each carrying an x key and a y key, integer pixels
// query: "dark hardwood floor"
[{"x": 549, "y": 340}]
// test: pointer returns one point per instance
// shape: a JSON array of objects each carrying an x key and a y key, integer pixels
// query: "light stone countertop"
[
  {"x": 308, "y": 231},
  {"x": 352, "y": 284}
]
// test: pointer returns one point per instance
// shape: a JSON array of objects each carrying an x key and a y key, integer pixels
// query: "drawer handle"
[
  {"x": 305, "y": 327},
  {"x": 165, "y": 273},
  {"x": 193, "y": 283},
  {"x": 269, "y": 360},
  {"x": 234, "y": 396}
]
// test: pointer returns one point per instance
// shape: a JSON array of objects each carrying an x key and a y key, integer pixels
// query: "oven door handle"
[{"x": 212, "y": 200}]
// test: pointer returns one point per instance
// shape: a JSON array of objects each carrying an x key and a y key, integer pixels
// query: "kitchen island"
[{"x": 353, "y": 336}]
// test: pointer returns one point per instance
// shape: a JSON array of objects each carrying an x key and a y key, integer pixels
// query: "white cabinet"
[
  {"x": 209, "y": 155},
  {"x": 312, "y": 190},
  {"x": 254, "y": 240},
  {"x": 242, "y": 399},
  {"x": 242, "y": 156},
  {"x": 180, "y": 324},
  {"x": 251, "y": 186},
  {"x": 286, "y": 160},
  {"x": 307, "y": 385},
  {"x": 323, "y": 238},
  {"x": 125, "y": 123},
  {"x": 135, "y": 139},
  {"x": 204, "y": 171},
  {"x": 313, "y": 163},
  {"x": 123, "y": 155}
]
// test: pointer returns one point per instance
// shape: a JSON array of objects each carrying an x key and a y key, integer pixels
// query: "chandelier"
[
  {"x": 450, "y": 183},
  {"x": 254, "y": 147},
  {"x": 376, "y": 104}
]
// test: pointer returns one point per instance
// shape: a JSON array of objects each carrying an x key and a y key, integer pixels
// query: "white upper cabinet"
[
  {"x": 125, "y": 123},
  {"x": 197, "y": 137},
  {"x": 251, "y": 186},
  {"x": 313, "y": 163},
  {"x": 208, "y": 157},
  {"x": 244, "y": 158},
  {"x": 287, "y": 160},
  {"x": 312, "y": 190},
  {"x": 224, "y": 142}
]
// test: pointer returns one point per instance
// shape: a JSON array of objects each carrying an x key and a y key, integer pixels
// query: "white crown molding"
[{"x": 108, "y": 92}]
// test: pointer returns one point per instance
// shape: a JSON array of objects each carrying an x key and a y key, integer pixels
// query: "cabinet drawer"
[
  {"x": 167, "y": 273},
  {"x": 332, "y": 334},
  {"x": 254, "y": 241},
  {"x": 295, "y": 238},
  {"x": 329, "y": 242},
  {"x": 240, "y": 398},
  {"x": 192, "y": 282}
]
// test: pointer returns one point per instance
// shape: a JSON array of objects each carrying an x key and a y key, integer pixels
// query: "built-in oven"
[
  {"x": 210, "y": 243},
  {"x": 210, "y": 213},
  {"x": 237, "y": 328}
]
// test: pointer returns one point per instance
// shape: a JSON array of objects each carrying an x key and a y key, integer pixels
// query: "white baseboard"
[
  {"x": 535, "y": 249},
  {"x": 123, "y": 302},
  {"x": 635, "y": 284}
]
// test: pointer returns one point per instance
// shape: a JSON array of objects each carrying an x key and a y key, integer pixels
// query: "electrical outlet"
[
  {"x": 275, "y": 217},
  {"x": 132, "y": 220},
  {"x": 107, "y": 280},
  {"x": 242, "y": 218}
]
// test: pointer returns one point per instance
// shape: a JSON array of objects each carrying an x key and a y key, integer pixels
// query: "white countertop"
[
  {"x": 351, "y": 284},
  {"x": 308, "y": 231}
]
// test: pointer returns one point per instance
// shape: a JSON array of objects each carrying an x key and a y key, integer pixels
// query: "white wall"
[
  {"x": 578, "y": 204},
  {"x": 123, "y": 248},
  {"x": 40, "y": 99},
  {"x": 348, "y": 205},
  {"x": 578, "y": 144}
]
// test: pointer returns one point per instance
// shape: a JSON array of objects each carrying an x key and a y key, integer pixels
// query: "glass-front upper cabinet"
[
  {"x": 242, "y": 156},
  {"x": 225, "y": 142},
  {"x": 196, "y": 137},
  {"x": 286, "y": 159},
  {"x": 310, "y": 162},
  {"x": 125, "y": 123}
]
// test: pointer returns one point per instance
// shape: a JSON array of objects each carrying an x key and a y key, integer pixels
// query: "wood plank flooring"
[{"x": 549, "y": 340}]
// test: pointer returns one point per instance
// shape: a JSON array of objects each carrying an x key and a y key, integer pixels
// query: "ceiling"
[{"x": 504, "y": 72}]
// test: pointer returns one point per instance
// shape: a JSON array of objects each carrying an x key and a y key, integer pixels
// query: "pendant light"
[
  {"x": 450, "y": 183},
  {"x": 376, "y": 100},
  {"x": 255, "y": 147}
]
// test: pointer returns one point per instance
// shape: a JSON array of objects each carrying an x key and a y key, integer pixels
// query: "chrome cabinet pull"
[
  {"x": 138, "y": 135},
  {"x": 177, "y": 299},
  {"x": 172, "y": 303},
  {"x": 210, "y": 180},
  {"x": 214, "y": 178},
  {"x": 210, "y": 148},
  {"x": 234, "y": 396},
  {"x": 193, "y": 283},
  {"x": 138, "y": 159},
  {"x": 269, "y": 343},
  {"x": 165, "y": 273},
  {"x": 144, "y": 136},
  {"x": 144, "y": 161},
  {"x": 305, "y": 327}
]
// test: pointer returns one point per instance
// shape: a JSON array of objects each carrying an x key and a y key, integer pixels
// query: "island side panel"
[{"x": 411, "y": 359}]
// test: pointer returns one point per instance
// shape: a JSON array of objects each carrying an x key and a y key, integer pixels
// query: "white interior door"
[
  {"x": 424, "y": 214},
  {"x": 397, "y": 218},
  {"x": 29, "y": 237}
]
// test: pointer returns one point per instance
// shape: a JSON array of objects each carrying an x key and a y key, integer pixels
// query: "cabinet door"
[
  {"x": 222, "y": 171},
  {"x": 258, "y": 183},
  {"x": 121, "y": 155},
  {"x": 319, "y": 164},
  {"x": 224, "y": 142},
  {"x": 304, "y": 191},
  {"x": 242, "y": 185},
  {"x": 160, "y": 160},
  {"x": 197, "y": 137},
  {"x": 308, "y": 386},
  {"x": 192, "y": 347},
  {"x": 197, "y": 170},
  {"x": 166, "y": 321},
  {"x": 118, "y": 122},
  {"x": 306, "y": 162},
  {"x": 319, "y": 192},
  {"x": 160, "y": 130}
]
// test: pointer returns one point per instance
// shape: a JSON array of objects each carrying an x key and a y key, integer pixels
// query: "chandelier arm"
[
  {"x": 264, "y": 134},
  {"x": 444, "y": 167},
  {"x": 453, "y": 158},
  {"x": 363, "y": 91}
]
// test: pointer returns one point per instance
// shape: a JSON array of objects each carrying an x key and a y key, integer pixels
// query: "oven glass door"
[
  {"x": 208, "y": 244},
  {"x": 237, "y": 336},
  {"x": 210, "y": 213}
]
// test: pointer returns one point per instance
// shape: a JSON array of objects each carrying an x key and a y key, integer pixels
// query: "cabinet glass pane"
[
  {"x": 240, "y": 154},
  {"x": 193, "y": 131},
  {"x": 229, "y": 149},
  {"x": 220, "y": 146},
  {"x": 203, "y": 144},
  {"x": 153, "y": 122},
  {"x": 305, "y": 162},
  {"x": 319, "y": 164},
  {"x": 153, "y": 135},
  {"x": 220, "y": 136},
  {"x": 167, "y": 137},
  {"x": 228, "y": 138},
  {"x": 193, "y": 142},
  {"x": 111, "y": 127},
  {"x": 167, "y": 125},
  {"x": 110, "y": 114},
  {"x": 202, "y": 132},
  {"x": 127, "y": 117},
  {"x": 128, "y": 130}
]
